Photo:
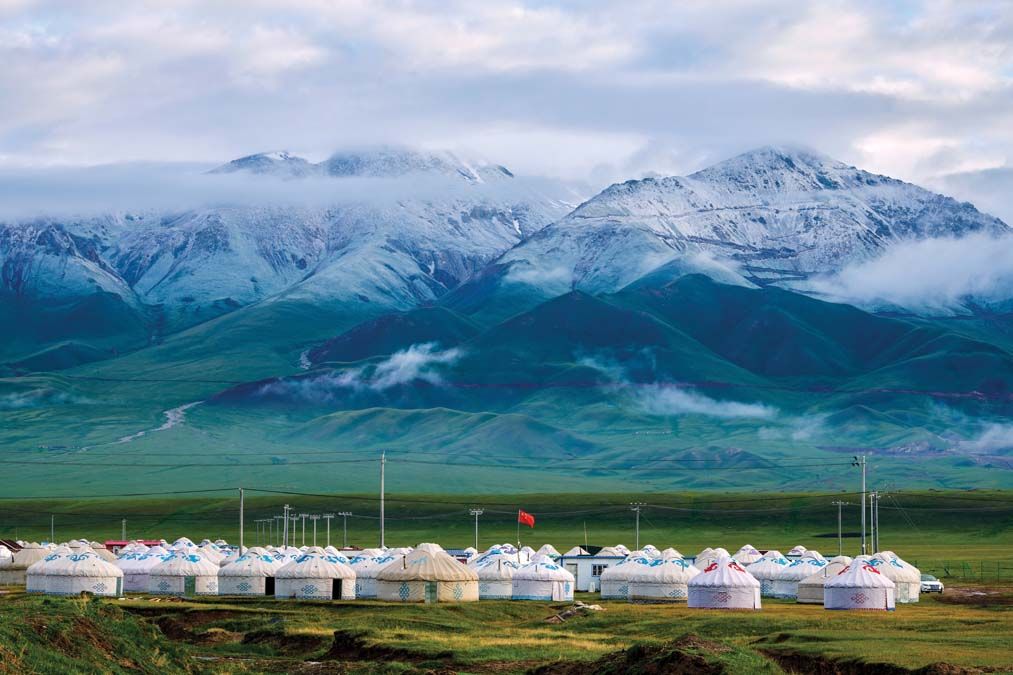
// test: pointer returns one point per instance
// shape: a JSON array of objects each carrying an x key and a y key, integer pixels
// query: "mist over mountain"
[{"x": 399, "y": 298}]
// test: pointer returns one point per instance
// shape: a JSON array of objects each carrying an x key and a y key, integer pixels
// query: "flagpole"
[{"x": 518, "y": 530}]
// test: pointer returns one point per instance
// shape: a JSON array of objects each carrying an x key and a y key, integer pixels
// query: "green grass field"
[
  {"x": 229, "y": 635},
  {"x": 928, "y": 528}
]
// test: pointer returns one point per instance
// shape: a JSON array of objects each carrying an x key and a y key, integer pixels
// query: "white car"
[{"x": 931, "y": 585}]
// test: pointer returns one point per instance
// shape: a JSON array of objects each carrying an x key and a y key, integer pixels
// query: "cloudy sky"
[{"x": 922, "y": 90}]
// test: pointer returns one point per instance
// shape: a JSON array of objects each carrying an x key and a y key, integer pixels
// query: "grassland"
[
  {"x": 239, "y": 635},
  {"x": 928, "y": 528}
]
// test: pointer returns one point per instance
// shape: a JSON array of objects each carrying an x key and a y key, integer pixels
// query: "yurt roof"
[
  {"x": 670, "y": 553},
  {"x": 624, "y": 568},
  {"x": 799, "y": 569},
  {"x": 768, "y": 568},
  {"x": 859, "y": 574},
  {"x": 548, "y": 549},
  {"x": 813, "y": 555},
  {"x": 28, "y": 556},
  {"x": 316, "y": 563},
  {"x": 543, "y": 571},
  {"x": 612, "y": 551},
  {"x": 831, "y": 569},
  {"x": 663, "y": 571},
  {"x": 428, "y": 562},
  {"x": 252, "y": 564},
  {"x": 185, "y": 564},
  {"x": 797, "y": 550},
  {"x": 83, "y": 564},
  {"x": 895, "y": 569},
  {"x": 143, "y": 562},
  {"x": 576, "y": 550},
  {"x": 367, "y": 567},
  {"x": 372, "y": 552},
  {"x": 42, "y": 566},
  {"x": 724, "y": 573},
  {"x": 496, "y": 566}
]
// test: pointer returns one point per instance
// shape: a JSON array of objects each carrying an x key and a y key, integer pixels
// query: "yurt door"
[
  {"x": 119, "y": 586},
  {"x": 189, "y": 586},
  {"x": 432, "y": 595},
  {"x": 336, "y": 589},
  {"x": 269, "y": 586}
]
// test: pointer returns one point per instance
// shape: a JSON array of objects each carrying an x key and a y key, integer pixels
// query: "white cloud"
[
  {"x": 418, "y": 363},
  {"x": 931, "y": 274},
  {"x": 992, "y": 438},
  {"x": 673, "y": 400}
]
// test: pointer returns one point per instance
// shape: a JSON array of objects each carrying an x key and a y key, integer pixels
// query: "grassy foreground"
[{"x": 232, "y": 635}]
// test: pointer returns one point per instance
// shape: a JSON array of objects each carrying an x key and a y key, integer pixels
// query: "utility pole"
[
  {"x": 344, "y": 528},
  {"x": 276, "y": 530},
  {"x": 636, "y": 506},
  {"x": 315, "y": 518},
  {"x": 295, "y": 519},
  {"x": 476, "y": 513},
  {"x": 52, "y": 528},
  {"x": 872, "y": 523},
  {"x": 383, "y": 464},
  {"x": 327, "y": 517},
  {"x": 123, "y": 530},
  {"x": 304, "y": 516},
  {"x": 284, "y": 536},
  {"x": 242, "y": 548},
  {"x": 875, "y": 521},
  {"x": 860, "y": 462},
  {"x": 840, "y": 534}
]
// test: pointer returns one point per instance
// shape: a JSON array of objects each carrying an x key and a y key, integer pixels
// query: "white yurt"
[
  {"x": 622, "y": 549},
  {"x": 813, "y": 554},
  {"x": 651, "y": 551},
  {"x": 766, "y": 569},
  {"x": 543, "y": 580},
  {"x": 13, "y": 574},
  {"x": 810, "y": 589},
  {"x": 615, "y": 580},
  {"x": 906, "y": 578},
  {"x": 366, "y": 566},
  {"x": 670, "y": 553},
  {"x": 796, "y": 551},
  {"x": 786, "y": 581},
  {"x": 427, "y": 574},
  {"x": 35, "y": 575},
  {"x": 103, "y": 552},
  {"x": 212, "y": 552},
  {"x": 137, "y": 566},
  {"x": 184, "y": 573},
  {"x": 747, "y": 555},
  {"x": 662, "y": 580},
  {"x": 724, "y": 584},
  {"x": 251, "y": 574},
  {"x": 470, "y": 552},
  {"x": 6, "y": 557},
  {"x": 575, "y": 551},
  {"x": 495, "y": 571},
  {"x": 183, "y": 542},
  {"x": 83, "y": 572},
  {"x": 859, "y": 586},
  {"x": 316, "y": 575},
  {"x": 709, "y": 555},
  {"x": 549, "y": 550}
]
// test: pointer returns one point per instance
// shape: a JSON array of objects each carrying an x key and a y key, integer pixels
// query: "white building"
[{"x": 587, "y": 569}]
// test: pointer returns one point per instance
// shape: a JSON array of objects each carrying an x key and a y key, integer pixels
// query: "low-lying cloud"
[
  {"x": 418, "y": 363},
  {"x": 993, "y": 438},
  {"x": 36, "y": 398},
  {"x": 673, "y": 400},
  {"x": 939, "y": 274}
]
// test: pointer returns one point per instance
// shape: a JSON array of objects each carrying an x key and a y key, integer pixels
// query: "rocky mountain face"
[
  {"x": 389, "y": 245},
  {"x": 774, "y": 215}
]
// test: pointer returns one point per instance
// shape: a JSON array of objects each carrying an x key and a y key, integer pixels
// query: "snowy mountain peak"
[
  {"x": 377, "y": 162},
  {"x": 278, "y": 163}
]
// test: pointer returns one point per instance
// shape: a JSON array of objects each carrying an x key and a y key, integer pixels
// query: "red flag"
[{"x": 525, "y": 518}]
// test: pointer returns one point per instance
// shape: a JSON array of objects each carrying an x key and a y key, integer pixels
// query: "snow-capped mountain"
[
  {"x": 775, "y": 215},
  {"x": 391, "y": 245}
]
